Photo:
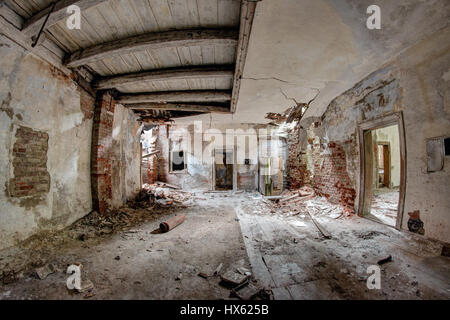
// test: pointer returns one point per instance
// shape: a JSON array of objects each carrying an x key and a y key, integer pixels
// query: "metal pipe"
[
  {"x": 43, "y": 25},
  {"x": 172, "y": 223}
]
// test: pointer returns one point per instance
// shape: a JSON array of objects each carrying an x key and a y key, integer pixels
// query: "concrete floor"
[{"x": 285, "y": 253}]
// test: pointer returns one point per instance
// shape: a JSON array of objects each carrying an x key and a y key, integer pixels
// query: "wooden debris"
[
  {"x": 45, "y": 271},
  {"x": 219, "y": 267},
  {"x": 385, "y": 260},
  {"x": 203, "y": 275},
  {"x": 322, "y": 230},
  {"x": 246, "y": 292},
  {"x": 168, "y": 185},
  {"x": 233, "y": 277}
]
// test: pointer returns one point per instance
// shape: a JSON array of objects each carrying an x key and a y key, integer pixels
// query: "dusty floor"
[
  {"x": 285, "y": 252},
  {"x": 385, "y": 205}
]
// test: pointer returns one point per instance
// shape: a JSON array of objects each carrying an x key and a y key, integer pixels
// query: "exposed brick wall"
[
  {"x": 101, "y": 156},
  {"x": 150, "y": 169},
  {"x": 297, "y": 174},
  {"x": 330, "y": 178},
  {"x": 327, "y": 174},
  {"x": 31, "y": 177}
]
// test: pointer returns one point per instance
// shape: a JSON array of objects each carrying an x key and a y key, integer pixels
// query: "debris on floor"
[
  {"x": 172, "y": 223},
  {"x": 234, "y": 278},
  {"x": 45, "y": 271},
  {"x": 385, "y": 260},
  {"x": 246, "y": 292}
]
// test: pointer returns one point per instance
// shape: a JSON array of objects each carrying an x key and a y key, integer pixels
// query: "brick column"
[{"x": 101, "y": 155}]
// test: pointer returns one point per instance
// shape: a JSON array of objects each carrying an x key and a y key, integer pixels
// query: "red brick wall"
[
  {"x": 329, "y": 176},
  {"x": 150, "y": 169},
  {"x": 101, "y": 160},
  {"x": 31, "y": 177}
]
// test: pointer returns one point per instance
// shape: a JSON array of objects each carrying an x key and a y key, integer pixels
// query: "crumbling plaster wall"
[
  {"x": 35, "y": 95},
  {"x": 416, "y": 83},
  {"x": 126, "y": 156}
]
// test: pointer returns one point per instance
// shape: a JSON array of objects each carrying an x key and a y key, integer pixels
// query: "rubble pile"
[
  {"x": 303, "y": 201},
  {"x": 165, "y": 195}
]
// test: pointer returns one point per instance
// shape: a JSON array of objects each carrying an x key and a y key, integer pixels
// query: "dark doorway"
[{"x": 223, "y": 169}]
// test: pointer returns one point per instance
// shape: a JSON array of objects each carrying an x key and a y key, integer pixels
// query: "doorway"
[
  {"x": 223, "y": 169},
  {"x": 383, "y": 166}
]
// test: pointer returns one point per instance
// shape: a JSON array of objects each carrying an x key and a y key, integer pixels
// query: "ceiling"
[
  {"x": 149, "y": 51},
  {"x": 230, "y": 60},
  {"x": 302, "y": 49}
]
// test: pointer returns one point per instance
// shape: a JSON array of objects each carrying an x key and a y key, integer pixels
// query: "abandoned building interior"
[{"x": 224, "y": 149}]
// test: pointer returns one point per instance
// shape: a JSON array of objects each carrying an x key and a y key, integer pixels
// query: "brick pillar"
[{"x": 101, "y": 155}]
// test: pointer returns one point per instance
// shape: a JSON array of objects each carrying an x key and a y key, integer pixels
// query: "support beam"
[
  {"x": 157, "y": 40},
  {"x": 247, "y": 14},
  {"x": 205, "y": 72},
  {"x": 179, "y": 107},
  {"x": 32, "y": 25},
  {"x": 176, "y": 96}
]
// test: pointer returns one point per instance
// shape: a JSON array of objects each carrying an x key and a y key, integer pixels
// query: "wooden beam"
[
  {"x": 157, "y": 40},
  {"x": 201, "y": 72},
  {"x": 247, "y": 14},
  {"x": 9, "y": 15},
  {"x": 179, "y": 107},
  {"x": 32, "y": 26},
  {"x": 176, "y": 96}
]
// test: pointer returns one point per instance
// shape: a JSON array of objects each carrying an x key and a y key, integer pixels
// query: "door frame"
[
  {"x": 378, "y": 123},
  {"x": 213, "y": 173}
]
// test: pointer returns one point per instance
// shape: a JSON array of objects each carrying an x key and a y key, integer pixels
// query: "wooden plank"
[
  {"x": 176, "y": 96},
  {"x": 247, "y": 15},
  {"x": 206, "y": 72},
  {"x": 10, "y": 15},
  {"x": 169, "y": 39},
  {"x": 179, "y": 107},
  {"x": 33, "y": 24},
  {"x": 322, "y": 230}
]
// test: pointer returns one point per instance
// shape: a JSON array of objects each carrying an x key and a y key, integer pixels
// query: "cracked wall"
[
  {"x": 36, "y": 96},
  {"x": 415, "y": 83}
]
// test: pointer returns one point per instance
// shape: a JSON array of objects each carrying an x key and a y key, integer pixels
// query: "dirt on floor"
[{"x": 126, "y": 257}]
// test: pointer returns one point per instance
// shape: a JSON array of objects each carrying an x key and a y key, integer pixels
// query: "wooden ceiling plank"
[
  {"x": 169, "y": 39},
  {"x": 176, "y": 96},
  {"x": 208, "y": 72},
  {"x": 179, "y": 107},
  {"x": 33, "y": 24}
]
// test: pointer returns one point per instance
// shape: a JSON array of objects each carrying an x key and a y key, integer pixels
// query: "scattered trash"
[
  {"x": 179, "y": 277},
  {"x": 45, "y": 271},
  {"x": 203, "y": 275},
  {"x": 219, "y": 267},
  {"x": 86, "y": 285},
  {"x": 246, "y": 291},
  {"x": 233, "y": 277},
  {"x": 385, "y": 260},
  {"x": 172, "y": 223},
  {"x": 117, "y": 258}
]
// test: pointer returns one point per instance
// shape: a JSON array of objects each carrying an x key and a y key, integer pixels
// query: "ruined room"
[{"x": 225, "y": 150}]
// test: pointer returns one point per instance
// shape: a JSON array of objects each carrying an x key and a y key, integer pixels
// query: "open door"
[{"x": 383, "y": 167}]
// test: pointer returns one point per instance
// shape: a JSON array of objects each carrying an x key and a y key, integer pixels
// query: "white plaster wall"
[{"x": 32, "y": 94}]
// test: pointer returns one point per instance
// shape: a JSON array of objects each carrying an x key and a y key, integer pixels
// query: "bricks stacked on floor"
[{"x": 31, "y": 177}]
